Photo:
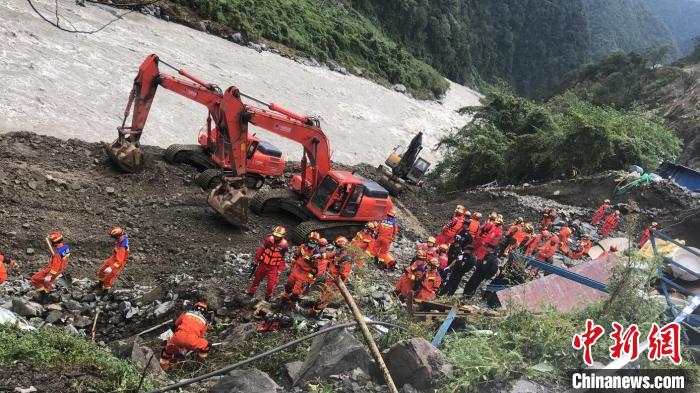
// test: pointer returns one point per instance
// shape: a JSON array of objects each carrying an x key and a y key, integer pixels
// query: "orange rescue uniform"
[
  {"x": 57, "y": 262},
  {"x": 116, "y": 261},
  {"x": 429, "y": 285},
  {"x": 270, "y": 264},
  {"x": 189, "y": 336},
  {"x": 340, "y": 266},
  {"x": 386, "y": 232},
  {"x": 408, "y": 280},
  {"x": 449, "y": 231},
  {"x": 599, "y": 213},
  {"x": 308, "y": 264}
]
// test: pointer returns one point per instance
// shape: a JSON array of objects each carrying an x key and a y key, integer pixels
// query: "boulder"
[
  {"x": 523, "y": 386},
  {"x": 26, "y": 308},
  {"x": 152, "y": 295},
  {"x": 141, "y": 356},
  {"x": 248, "y": 381},
  {"x": 239, "y": 334},
  {"x": 399, "y": 88},
  {"x": 292, "y": 369},
  {"x": 237, "y": 38},
  {"x": 415, "y": 362},
  {"x": 333, "y": 353},
  {"x": 53, "y": 316}
]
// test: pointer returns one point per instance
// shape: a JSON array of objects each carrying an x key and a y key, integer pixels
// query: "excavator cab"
[{"x": 342, "y": 195}]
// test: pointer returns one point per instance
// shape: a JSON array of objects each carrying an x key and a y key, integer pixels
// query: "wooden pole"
[
  {"x": 94, "y": 324},
  {"x": 48, "y": 243},
  {"x": 366, "y": 333}
]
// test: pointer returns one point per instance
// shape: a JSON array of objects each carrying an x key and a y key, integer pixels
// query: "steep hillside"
[
  {"x": 628, "y": 81},
  {"x": 681, "y": 16},
  {"x": 625, "y": 25},
  {"x": 475, "y": 41}
]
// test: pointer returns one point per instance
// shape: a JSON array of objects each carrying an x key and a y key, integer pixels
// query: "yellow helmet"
[
  {"x": 279, "y": 231},
  {"x": 431, "y": 240},
  {"x": 116, "y": 232}
]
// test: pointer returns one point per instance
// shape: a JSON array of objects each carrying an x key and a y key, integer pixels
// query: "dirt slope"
[{"x": 71, "y": 85}]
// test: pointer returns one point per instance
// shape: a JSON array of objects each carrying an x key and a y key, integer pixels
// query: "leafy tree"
[{"x": 512, "y": 139}]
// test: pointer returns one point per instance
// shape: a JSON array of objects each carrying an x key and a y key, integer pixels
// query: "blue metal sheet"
[
  {"x": 682, "y": 175},
  {"x": 566, "y": 273},
  {"x": 445, "y": 327}
]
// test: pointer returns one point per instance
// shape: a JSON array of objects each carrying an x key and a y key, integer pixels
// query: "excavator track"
[
  {"x": 263, "y": 201},
  {"x": 175, "y": 154},
  {"x": 208, "y": 179},
  {"x": 328, "y": 229}
]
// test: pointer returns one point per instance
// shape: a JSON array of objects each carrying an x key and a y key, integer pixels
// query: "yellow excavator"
[{"x": 403, "y": 167}]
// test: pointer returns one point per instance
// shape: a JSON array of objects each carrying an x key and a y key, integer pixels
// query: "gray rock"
[
  {"x": 72, "y": 305},
  {"x": 132, "y": 312},
  {"x": 254, "y": 46},
  {"x": 110, "y": 190},
  {"x": 163, "y": 309},
  {"x": 343, "y": 70},
  {"x": 415, "y": 362},
  {"x": 239, "y": 334},
  {"x": 237, "y": 38},
  {"x": 82, "y": 321},
  {"x": 399, "y": 88},
  {"x": 292, "y": 369},
  {"x": 30, "y": 251},
  {"x": 248, "y": 381},
  {"x": 26, "y": 308},
  {"x": 139, "y": 354},
  {"x": 333, "y": 353},
  {"x": 53, "y": 316},
  {"x": 71, "y": 330}
]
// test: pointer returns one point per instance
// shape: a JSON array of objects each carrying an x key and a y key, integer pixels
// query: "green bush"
[
  {"x": 51, "y": 348},
  {"x": 512, "y": 139},
  {"x": 326, "y": 30}
]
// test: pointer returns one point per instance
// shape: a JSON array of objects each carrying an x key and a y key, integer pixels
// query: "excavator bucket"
[
  {"x": 128, "y": 156},
  {"x": 231, "y": 203}
]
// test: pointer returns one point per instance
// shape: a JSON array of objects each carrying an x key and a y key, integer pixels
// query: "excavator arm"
[{"x": 231, "y": 118}]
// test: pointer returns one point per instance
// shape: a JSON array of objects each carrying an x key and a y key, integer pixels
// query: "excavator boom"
[{"x": 230, "y": 117}]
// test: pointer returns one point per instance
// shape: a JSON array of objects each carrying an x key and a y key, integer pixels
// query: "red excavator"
[{"x": 331, "y": 201}]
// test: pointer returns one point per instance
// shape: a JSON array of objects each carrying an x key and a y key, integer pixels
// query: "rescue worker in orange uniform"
[
  {"x": 452, "y": 228},
  {"x": 474, "y": 224},
  {"x": 547, "y": 219},
  {"x": 412, "y": 276},
  {"x": 44, "y": 279},
  {"x": 548, "y": 248},
  {"x": 600, "y": 212},
  {"x": 564, "y": 234},
  {"x": 3, "y": 270},
  {"x": 509, "y": 236},
  {"x": 381, "y": 246},
  {"x": 270, "y": 262},
  {"x": 190, "y": 332},
  {"x": 363, "y": 239},
  {"x": 482, "y": 232},
  {"x": 308, "y": 265},
  {"x": 429, "y": 247},
  {"x": 535, "y": 243},
  {"x": 494, "y": 236},
  {"x": 430, "y": 282},
  {"x": 340, "y": 266},
  {"x": 113, "y": 266},
  {"x": 647, "y": 234},
  {"x": 610, "y": 224},
  {"x": 521, "y": 238},
  {"x": 583, "y": 246}
]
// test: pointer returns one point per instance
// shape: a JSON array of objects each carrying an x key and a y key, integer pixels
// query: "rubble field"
[{"x": 181, "y": 250}]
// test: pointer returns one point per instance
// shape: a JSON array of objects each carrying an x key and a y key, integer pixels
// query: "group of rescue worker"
[{"x": 60, "y": 251}]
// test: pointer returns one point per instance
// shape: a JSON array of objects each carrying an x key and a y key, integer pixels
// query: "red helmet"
[
  {"x": 546, "y": 234},
  {"x": 314, "y": 237},
  {"x": 116, "y": 232},
  {"x": 55, "y": 237},
  {"x": 341, "y": 242},
  {"x": 201, "y": 306},
  {"x": 279, "y": 232},
  {"x": 391, "y": 213}
]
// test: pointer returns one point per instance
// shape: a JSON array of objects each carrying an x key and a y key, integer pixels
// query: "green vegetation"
[
  {"x": 525, "y": 344},
  {"x": 513, "y": 139},
  {"x": 625, "y": 25},
  {"x": 326, "y": 30},
  {"x": 55, "y": 351}
]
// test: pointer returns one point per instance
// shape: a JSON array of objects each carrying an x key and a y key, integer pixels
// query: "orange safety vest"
[{"x": 273, "y": 254}]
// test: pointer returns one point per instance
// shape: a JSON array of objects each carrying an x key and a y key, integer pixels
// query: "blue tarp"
[{"x": 683, "y": 176}]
